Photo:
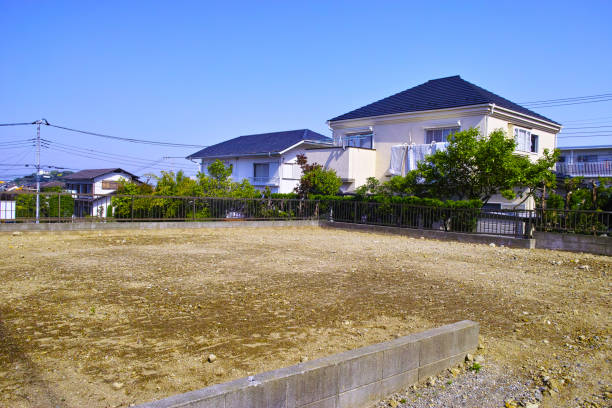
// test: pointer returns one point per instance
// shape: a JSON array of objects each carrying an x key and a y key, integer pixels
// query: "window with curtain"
[
  {"x": 522, "y": 137},
  {"x": 440, "y": 134}
]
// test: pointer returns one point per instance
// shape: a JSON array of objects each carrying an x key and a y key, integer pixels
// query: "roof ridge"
[{"x": 440, "y": 93}]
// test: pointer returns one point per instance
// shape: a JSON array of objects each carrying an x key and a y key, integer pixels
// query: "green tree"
[
  {"x": 316, "y": 180},
  {"x": 218, "y": 183},
  {"x": 476, "y": 167}
]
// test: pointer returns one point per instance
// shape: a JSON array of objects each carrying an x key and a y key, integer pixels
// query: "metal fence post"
[{"x": 132, "y": 205}]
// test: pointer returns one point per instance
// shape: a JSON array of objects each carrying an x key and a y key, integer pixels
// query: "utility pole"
[{"x": 38, "y": 123}]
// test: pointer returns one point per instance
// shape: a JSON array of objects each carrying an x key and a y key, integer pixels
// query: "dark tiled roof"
[
  {"x": 55, "y": 183},
  {"x": 260, "y": 144},
  {"x": 90, "y": 174},
  {"x": 450, "y": 92}
]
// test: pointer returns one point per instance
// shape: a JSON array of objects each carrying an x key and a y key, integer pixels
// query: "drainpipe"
[{"x": 492, "y": 109}]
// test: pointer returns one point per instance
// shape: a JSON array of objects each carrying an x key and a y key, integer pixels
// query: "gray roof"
[
  {"x": 263, "y": 143},
  {"x": 442, "y": 93},
  {"x": 90, "y": 174}
]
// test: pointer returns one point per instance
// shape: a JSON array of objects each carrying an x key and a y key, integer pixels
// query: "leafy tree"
[
  {"x": 475, "y": 167},
  {"x": 51, "y": 206},
  {"x": 316, "y": 180},
  {"x": 218, "y": 183}
]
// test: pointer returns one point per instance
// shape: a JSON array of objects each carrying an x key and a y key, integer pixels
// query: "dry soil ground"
[{"x": 104, "y": 319}]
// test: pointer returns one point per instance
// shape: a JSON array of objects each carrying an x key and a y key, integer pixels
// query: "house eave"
[
  {"x": 230, "y": 156},
  {"x": 514, "y": 116},
  {"x": 468, "y": 110}
]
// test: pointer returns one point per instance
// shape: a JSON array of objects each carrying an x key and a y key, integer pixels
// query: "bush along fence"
[{"x": 405, "y": 212}]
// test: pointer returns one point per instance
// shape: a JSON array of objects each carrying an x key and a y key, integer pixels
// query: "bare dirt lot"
[{"x": 105, "y": 319}]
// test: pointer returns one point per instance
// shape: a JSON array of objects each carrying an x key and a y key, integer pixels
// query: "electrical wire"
[
  {"x": 566, "y": 104},
  {"x": 606, "y": 95},
  {"x": 126, "y": 139},
  {"x": 112, "y": 160},
  {"x": 103, "y": 158},
  {"x": 93, "y": 151},
  {"x": 589, "y": 127}
]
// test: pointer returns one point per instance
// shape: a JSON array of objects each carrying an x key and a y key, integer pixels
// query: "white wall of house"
[
  {"x": 571, "y": 156},
  {"x": 283, "y": 176},
  {"x": 352, "y": 164},
  {"x": 99, "y": 185},
  {"x": 391, "y": 130}
]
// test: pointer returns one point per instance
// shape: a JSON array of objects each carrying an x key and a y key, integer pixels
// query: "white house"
[
  {"x": 265, "y": 160},
  {"x": 585, "y": 161},
  {"x": 390, "y": 136},
  {"x": 92, "y": 189}
]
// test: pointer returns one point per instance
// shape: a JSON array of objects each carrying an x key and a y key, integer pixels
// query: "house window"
[
  {"x": 363, "y": 140},
  {"x": 523, "y": 140},
  {"x": 534, "y": 143},
  {"x": 440, "y": 134},
  {"x": 561, "y": 159},
  {"x": 586, "y": 158},
  {"x": 261, "y": 170},
  {"x": 110, "y": 185}
]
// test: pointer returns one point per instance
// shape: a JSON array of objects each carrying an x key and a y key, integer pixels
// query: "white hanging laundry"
[
  {"x": 438, "y": 147},
  {"x": 397, "y": 157},
  {"x": 420, "y": 152}
]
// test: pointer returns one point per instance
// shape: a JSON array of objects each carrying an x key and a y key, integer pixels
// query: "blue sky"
[{"x": 202, "y": 72}]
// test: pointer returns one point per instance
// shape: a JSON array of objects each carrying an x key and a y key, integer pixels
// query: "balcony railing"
[
  {"x": 264, "y": 181},
  {"x": 586, "y": 169}
]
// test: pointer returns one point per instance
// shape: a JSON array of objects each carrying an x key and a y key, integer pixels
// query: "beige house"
[{"x": 390, "y": 136}]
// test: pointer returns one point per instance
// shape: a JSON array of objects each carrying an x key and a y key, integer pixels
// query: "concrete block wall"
[
  {"x": 601, "y": 245},
  {"x": 353, "y": 379},
  {"x": 433, "y": 234}
]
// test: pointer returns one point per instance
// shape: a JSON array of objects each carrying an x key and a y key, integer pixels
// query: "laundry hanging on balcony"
[
  {"x": 398, "y": 155},
  {"x": 405, "y": 158}
]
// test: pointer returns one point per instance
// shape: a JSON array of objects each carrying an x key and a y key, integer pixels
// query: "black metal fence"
[
  {"x": 66, "y": 207},
  {"x": 576, "y": 222}
]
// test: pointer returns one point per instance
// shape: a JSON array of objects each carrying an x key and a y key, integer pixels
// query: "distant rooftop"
[
  {"x": 442, "y": 93},
  {"x": 90, "y": 174},
  {"x": 262, "y": 143}
]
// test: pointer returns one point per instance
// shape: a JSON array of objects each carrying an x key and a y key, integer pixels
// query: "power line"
[
  {"x": 126, "y": 139},
  {"x": 102, "y": 156},
  {"x": 606, "y": 95},
  {"x": 589, "y": 127},
  {"x": 598, "y": 119},
  {"x": 566, "y": 104}
]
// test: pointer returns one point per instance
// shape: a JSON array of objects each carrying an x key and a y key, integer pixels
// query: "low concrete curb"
[
  {"x": 351, "y": 379},
  {"x": 90, "y": 226},
  {"x": 432, "y": 234},
  {"x": 574, "y": 242}
]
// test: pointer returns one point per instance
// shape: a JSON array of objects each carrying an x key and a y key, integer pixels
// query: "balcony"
[
  {"x": 353, "y": 165},
  {"x": 264, "y": 181},
  {"x": 586, "y": 169}
]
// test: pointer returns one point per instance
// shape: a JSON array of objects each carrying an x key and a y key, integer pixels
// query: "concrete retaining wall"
[
  {"x": 88, "y": 226},
  {"x": 431, "y": 234},
  {"x": 351, "y": 379},
  {"x": 574, "y": 242}
]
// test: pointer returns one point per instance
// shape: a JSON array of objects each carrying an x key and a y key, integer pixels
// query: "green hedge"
[{"x": 408, "y": 211}]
